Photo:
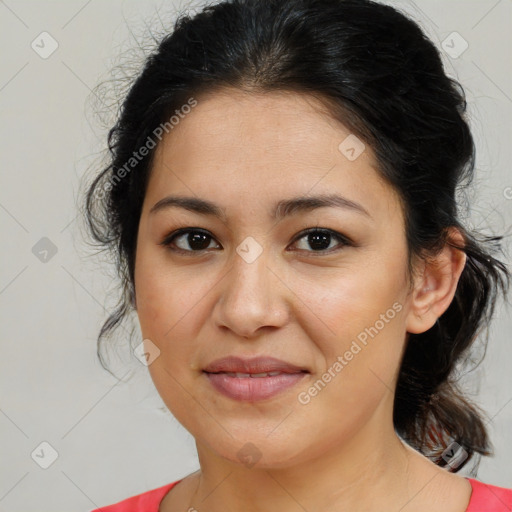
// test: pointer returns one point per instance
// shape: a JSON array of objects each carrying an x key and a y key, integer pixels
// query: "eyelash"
[{"x": 343, "y": 240}]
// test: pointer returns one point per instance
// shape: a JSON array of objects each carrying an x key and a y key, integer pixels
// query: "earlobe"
[{"x": 436, "y": 284}]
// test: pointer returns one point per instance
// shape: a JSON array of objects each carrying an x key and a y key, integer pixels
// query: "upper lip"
[{"x": 234, "y": 364}]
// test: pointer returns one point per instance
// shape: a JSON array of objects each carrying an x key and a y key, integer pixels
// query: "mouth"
[
  {"x": 252, "y": 366},
  {"x": 253, "y": 379},
  {"x": 251, "y": 375}
]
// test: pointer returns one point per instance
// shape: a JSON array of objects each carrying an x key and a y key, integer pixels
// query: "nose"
[{"x": 252, "y": 298}]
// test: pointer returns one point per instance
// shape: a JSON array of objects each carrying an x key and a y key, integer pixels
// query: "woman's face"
[{"x": 252, "y": 285}]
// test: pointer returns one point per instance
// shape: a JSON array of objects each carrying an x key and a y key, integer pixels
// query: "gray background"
[{"x": 113, "y": 440}]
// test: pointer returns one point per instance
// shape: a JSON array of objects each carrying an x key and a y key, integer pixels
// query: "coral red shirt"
[{"x": 484, "y": 498}]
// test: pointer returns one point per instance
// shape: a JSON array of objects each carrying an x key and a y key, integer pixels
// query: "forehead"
[
  {"x": 239, "y": 121},
  {"x": 264, "y": 145}
]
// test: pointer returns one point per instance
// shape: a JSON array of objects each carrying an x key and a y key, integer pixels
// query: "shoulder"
[
  {"x": 489, "y": 498},
  {"x": 147, "y": 501}
]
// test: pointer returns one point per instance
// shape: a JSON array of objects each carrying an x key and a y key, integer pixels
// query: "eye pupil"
[
  {"x": 200, "y": 238},
  {"x": 317, "y": 240}
]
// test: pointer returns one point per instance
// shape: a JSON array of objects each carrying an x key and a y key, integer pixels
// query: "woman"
[{"x": 281, "y": 200}]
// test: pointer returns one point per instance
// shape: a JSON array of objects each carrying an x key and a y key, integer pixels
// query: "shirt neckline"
[{"x": 473, "y": 482}]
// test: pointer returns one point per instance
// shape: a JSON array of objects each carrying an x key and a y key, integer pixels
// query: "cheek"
[
  {"x": 172, "y": 307},
  {"x": 358, "y": 316},
  {"x": 166, "y": 296},
  {"x": 359, "y": 361},
  {"x": 168, "y": 308},
  {"x": 349, "y": 301}
]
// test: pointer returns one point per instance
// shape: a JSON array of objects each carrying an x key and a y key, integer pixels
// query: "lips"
[
  {"x": 253, "y": 367},
  {"x": 252, "y": 375},
  {"x": 253, "y": 379}
]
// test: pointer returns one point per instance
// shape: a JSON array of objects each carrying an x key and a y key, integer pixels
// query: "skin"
[{"x": 244, "y": 152}]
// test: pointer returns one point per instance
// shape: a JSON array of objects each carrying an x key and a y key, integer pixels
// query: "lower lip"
[{"x": 252, "y": 389}]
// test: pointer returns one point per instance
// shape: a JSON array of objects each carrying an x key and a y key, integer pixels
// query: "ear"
[{"x": 435, "y": 285}]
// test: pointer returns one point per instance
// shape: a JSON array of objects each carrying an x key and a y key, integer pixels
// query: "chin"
[{"x": 259, "y": 452}]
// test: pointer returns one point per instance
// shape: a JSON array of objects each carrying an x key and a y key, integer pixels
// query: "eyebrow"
[{"x": 282, "y": 209}]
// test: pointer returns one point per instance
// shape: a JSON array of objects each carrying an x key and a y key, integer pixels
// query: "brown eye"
[
  {"x": 188, "y": 240},
  {"x": 320, "y": 240}
]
